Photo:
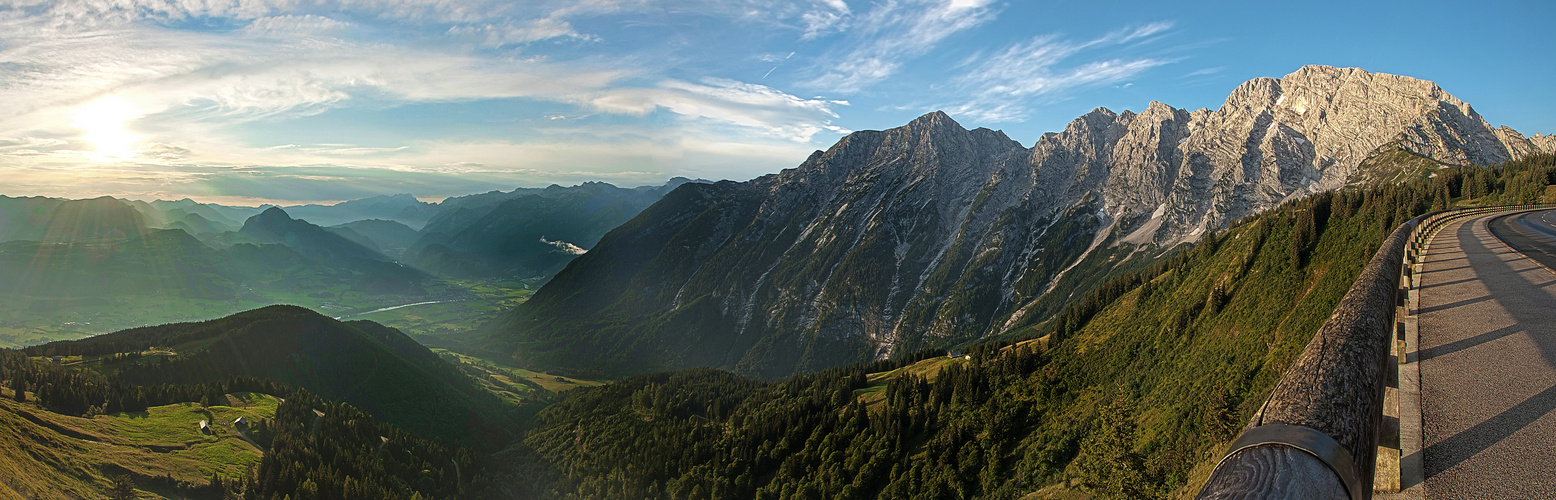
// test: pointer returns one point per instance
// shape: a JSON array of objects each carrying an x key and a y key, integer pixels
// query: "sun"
[{"x": 103, "y": 121}]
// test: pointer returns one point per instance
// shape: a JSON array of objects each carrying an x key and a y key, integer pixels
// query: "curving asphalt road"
[
  {"x": 1487, "y": 353},
  {"x": 1532, "y": 234}
]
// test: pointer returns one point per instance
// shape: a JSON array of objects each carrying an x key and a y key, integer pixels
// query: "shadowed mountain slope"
[
  {"x": 276, "y": 227},
  {"x": 930, "y": 234},
  {"x": 526, "y": 232},
  {"x": 384, "y": 236}
]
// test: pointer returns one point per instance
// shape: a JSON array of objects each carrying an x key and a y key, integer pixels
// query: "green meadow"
[{"x": 46, "y": 455}]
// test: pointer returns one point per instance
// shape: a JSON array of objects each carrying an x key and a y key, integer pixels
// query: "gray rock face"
[
  {"x": 1275, "y": 140},
  {"x": 930, "y": 233}
]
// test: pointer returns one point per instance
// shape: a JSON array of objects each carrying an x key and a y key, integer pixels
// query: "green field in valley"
[
  {"x": 516, "y": 385},
  {"x": 479, "y": 302}
]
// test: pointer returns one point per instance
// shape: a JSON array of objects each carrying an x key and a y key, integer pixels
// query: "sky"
[{"x": 300, "y": 101}]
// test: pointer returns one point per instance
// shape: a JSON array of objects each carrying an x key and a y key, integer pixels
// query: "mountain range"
[
  {"x": 931, "y": 234},
  {"x": 105, "y": 247},
  {"x": 526, "y": 232}
]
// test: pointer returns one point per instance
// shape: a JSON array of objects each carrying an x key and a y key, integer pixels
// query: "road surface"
[{"x": 1487, "y": 352}]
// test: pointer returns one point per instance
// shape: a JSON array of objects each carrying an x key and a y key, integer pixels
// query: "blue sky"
[{"x": 247, "y": 101}]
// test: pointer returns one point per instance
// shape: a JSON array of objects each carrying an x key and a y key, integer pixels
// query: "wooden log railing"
[{"x": 1317, "y": 434}]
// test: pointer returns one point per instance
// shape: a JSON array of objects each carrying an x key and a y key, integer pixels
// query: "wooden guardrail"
[{"x": 1317, "y": 434}]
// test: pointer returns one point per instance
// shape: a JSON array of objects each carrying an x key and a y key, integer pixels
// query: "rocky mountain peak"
[
  {"x": 934, "y": 120},
  {"x": 1098, "y": 117},
  {"x": 930, "y": 233},
  {"x": 929, "y": 143}
]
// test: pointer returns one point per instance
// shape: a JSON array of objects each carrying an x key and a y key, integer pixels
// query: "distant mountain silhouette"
[
  {"x": 93, "y": 220},
  {"x": 194, "y": 224},
  {"x": 385, "y": 236},
  {"x": 402, "y": 208},
  {"x": 160, "y": 262},
  {"x": 25, "y": 218},
  {"x": 276, "y": 227}
]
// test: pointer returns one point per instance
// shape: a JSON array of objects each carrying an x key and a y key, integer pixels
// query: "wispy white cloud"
[
  {"x": 728, "y": 101},
  {"x": 215, "y": 77},
  {"x": 281, "y": 67},
  {"x": 534, "y": 30},
  {"x": 556, "y": 24},
  {"x": 200, "y": 76},
  {"x": 896, "y": 30},
  {"x": 1131, "y": 34},
  {"x": 811, "y": 19},
  {"x": 564, "y": 247},
  {"x": 1204, "y": 72},
  {"x": 213, "y": 163},
  {"x": 293, "y": 25},
  {"x": 1002, "y": 86},
  {"x": 90, "y": 14},
  {"x": 825, "y": 18}
]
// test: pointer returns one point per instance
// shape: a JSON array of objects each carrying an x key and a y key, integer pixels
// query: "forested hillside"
[
  {"x": 83, "y": 434},
  {"x": 372, "y": 367},
  {"x": 1129, "y": 393}
]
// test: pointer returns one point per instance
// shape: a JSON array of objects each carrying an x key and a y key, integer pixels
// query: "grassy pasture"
[{"x": 48, "y": 455}]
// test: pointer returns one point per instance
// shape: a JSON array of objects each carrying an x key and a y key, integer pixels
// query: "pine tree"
[
  {"x": 1302, "y": 234},
  {"x": 1108, "y": 464},
  {"x": 123, "y": 487}
]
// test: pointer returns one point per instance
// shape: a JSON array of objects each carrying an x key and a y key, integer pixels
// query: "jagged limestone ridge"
[{"x": 930, "y": 232}]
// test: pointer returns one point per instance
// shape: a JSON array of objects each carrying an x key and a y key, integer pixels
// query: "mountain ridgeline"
[
  {"x": 105, "y": 248},
  {"x": 526, "y": 232},
  {"x": 274, "y": 226},
  {"x": 931, "y": 234}
]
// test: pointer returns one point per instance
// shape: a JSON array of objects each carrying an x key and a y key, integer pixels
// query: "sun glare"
[{"x": 103, "y": 121}]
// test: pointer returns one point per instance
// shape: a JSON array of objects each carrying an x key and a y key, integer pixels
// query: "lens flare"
[{"x": 103, "y": 122}]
